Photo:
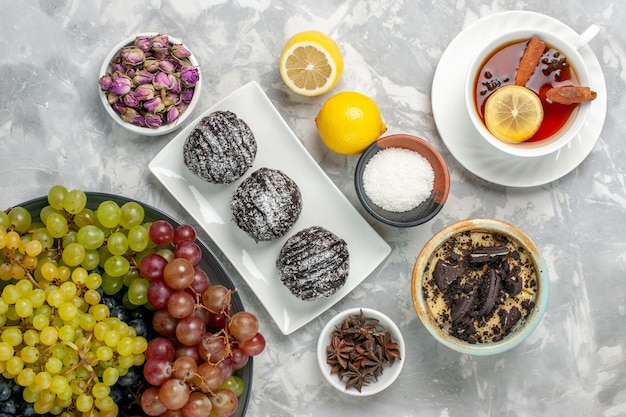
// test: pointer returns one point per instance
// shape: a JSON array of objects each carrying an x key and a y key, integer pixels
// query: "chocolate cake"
[
  {"x": 220, "y": 149},
  {"x": 313, "y": 263},
  {"x": 266, "y": 204}
]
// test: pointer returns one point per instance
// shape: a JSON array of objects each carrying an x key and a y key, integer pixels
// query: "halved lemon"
[
  {"x": 513, "y": 113},
  {"x": 311, "y": 63}
]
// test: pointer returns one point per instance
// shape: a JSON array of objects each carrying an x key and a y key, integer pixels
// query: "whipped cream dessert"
[{"x": 479, "y": 286}]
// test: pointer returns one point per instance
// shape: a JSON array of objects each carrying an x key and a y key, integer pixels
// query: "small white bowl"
[
  {"x": 146, "y": 131},
  {"x": 390, "y": 372}
]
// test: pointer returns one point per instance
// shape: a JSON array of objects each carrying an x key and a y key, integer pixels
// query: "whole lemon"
[{"x": 349, "y": 122}]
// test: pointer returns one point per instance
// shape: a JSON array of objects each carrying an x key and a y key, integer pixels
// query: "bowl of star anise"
[{"x": 361, "y": 351}]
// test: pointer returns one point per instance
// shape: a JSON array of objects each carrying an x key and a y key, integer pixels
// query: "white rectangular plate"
[{"x": 322, "y": 205}]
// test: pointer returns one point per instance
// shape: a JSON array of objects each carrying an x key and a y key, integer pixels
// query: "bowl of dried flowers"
[
  {"x": 150, "y": 83},
  {"x": 361, "y": 351}
]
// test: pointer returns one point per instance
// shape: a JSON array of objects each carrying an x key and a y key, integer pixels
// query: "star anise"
[
  {"x": 356, "y": 377},
  {"x": 391, "y": 349},
  {"x": 338, "y": 353}
]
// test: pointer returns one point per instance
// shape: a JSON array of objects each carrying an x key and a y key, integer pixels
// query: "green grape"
[
  {"x": 116, "y": 266},
  {"x": 131, "y": 275},
  {"x": 73, "y": 254},
  {"x": 112, "y": 285},
  {"x": 4, "y": 221},
  {"x": 42, "y": 235},
  {"x": 24, "y": 307},
  {"x": 93, "y": 281},
  {"x": 70, "y": 237},
  {"x": 138, "y": 291},
  {"x": 56, "y": 195},
  {"x": 84, "y": 403},
  {"x": 47, "y": 211},
  {"x": 20, "y": 219},
  {"x": 138, "y": 238},
  {"x": 75, "y": 201},
  {"x": 110, "y": 376},
  {"x": 132, "y": 214},
  {"x": 85, "y": 218},
  {"x": 91, "y": 259},
  {"x": 117, "y": 243},
  {"x": 12, "y": 335},
  {"x": 235, "y": 384},
  {"x": 57, "y": 225},
  {"x": 90, "y": 236},
  {"x": 109, "y": 214}
]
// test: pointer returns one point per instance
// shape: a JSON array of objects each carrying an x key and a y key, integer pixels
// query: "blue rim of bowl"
[
  {"x": 147, "y": 131},
  {"x": 523, "y": 329},
  {"x": 415, "y": 217},
  {"x": 209, "y": 263}
]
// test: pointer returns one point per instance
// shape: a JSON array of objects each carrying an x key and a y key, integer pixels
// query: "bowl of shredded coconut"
[{"x": 402, "y": 180}]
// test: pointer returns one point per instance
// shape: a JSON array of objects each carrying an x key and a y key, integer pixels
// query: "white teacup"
[{"x": 568, "y": 48}]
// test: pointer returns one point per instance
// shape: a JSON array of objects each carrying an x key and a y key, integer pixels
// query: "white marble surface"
[{"x": 53, "y": 130}]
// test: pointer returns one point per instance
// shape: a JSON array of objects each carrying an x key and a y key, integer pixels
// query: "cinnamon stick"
[
  {"x": 529, "y": 61},
  {"x": 570, "y": 94}
]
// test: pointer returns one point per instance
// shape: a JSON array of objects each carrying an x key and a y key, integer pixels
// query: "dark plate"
[{"x": 209, "y": 264}]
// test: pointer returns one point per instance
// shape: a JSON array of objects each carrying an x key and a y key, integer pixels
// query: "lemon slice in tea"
[{"x": 513, "y": 113}]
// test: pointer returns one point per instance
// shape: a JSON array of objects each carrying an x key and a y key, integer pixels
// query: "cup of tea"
[{"x": 495, "y": 66}]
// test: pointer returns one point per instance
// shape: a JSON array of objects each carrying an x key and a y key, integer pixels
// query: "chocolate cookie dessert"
[
  {"x": 313, "y": 263},
  {"x": 479, "y": 285},
  {"x": 220, "y": 149},
  {"x": 266, "y": 204}
]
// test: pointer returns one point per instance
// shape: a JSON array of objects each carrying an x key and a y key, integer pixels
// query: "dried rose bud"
[
  {"x": 167, "y": 66},
  {"x": 144, "y": 92},
  {"x": 180, "y": 52},
  {"x": 153, "y": 120},
  {"x": 130, "y": 100},
  {"x": 112, "y": 98},
  {"x": 164, "y": 81},
  {"x": 187, "y": 95},
  {"x": 151, "y": 65},
  {"x": 143, "y": 77},
  {"x": 170, "y": 99},
  {"x": 144, "y": 43},
  {"x": 132, "y": 56},
  {"x": 105, "y": 82},
  {"x": 172, "y": 114},
  {"x": 154, "y": 105},
  {"x": 160, "y": 43},
  {"x": 131, "y": 115},
  {"x": 189, "y": 75},
  {"x": 120, "y": 84}
]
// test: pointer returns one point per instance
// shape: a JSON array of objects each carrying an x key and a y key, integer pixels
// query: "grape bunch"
[
  {"x": 88, "y": 295},
  {"x": 190, "y": 365}
]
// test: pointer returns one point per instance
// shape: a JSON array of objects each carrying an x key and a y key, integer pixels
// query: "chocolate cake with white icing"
[
  {"x": 314, "y": 263},
  {"x": 266, "y": 204},
  {"x": 220, "y": 149}
]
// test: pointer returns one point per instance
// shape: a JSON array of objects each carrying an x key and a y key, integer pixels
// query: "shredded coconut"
[{"x": 398, "y": 179}]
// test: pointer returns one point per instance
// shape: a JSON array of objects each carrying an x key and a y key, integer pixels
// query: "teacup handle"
[{"x": 585, "y": 37}]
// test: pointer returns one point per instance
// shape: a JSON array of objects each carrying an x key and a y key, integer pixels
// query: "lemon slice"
[
  {"x": 349, "y": 122},
  {"x": 311, "y": 63},
  {"x": 513, "y": 113}
]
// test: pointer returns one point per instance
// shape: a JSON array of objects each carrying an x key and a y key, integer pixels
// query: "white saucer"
[{"x": 456, "y": 129}]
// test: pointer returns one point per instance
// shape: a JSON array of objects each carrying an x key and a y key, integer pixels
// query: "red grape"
[
  {"x": 212, "y": 348},
  {"x": 160, "y": 347},
  {"x": 161, "y": 232},
  {"x": 151, "y": 267},
  {"x": 243, "y": 325},
  {"x": 189, "y": 251},
  {"x": 217, "y": 320},
  {"x": 157, "y": 370},
  {"x": 174, "y": 394},
  {"x": 200, "y": 281},
  {"x": 150, "y": 403},
  {"x": 178, "y": 273},
  {"x": 209, "y": 377},
  {"x": 184, "y": 233},
  {"x": 253, "y": 346},
  {"x": 224, "y": 403},
  {"x": 199, "y": 405},
  {"x": 181, "y": 304},
  {"x": 184, "y": 368},
  {"x": 164, "y": 324},
  {"x": 159, "y": 293},
  {"x": 190, "y": 330},
  {"x": 238, "y": 359},
  {"x": 188, "y": 351},
  {"x": 216, "y": 298}
]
